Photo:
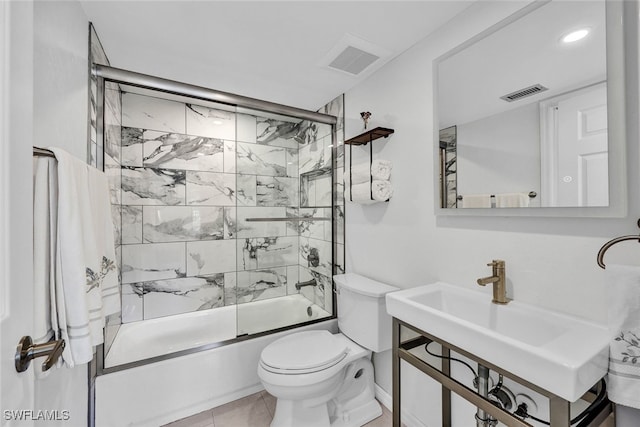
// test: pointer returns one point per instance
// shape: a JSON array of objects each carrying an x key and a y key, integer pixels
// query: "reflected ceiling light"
[{"x": 576, "y": 35}]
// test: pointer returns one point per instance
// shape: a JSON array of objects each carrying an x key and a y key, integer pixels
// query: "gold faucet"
[{"x": 498, "y": 280}]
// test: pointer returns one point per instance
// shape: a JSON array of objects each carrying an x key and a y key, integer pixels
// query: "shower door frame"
[{"x": 106, "y": 74}]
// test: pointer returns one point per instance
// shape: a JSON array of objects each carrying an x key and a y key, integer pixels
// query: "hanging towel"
[
  {"x": 362, "y": 172},
  {"x": 86, "y": 284},
  {"x": 44, "y": 252},
  {"x": 381, "y": 190},
  {"x": 512, "y": 200},
  {"x": 476, "y": 201},
  {"x": 623, "y": 290}
]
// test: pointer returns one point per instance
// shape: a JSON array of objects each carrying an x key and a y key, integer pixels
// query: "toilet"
[{"x": 322, "y": 379}]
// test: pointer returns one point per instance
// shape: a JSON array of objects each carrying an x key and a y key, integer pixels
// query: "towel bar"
[
  {"x": 531, "y": 194},
  {"x": 27, "y": 351},
  {"x": 612, "y": 242},
  {"x": 43, "y": 152},
  {"x": 292, "y": 218}
]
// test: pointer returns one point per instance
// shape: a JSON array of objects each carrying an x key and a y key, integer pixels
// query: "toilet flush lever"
[{"x": 27, "y": 351}]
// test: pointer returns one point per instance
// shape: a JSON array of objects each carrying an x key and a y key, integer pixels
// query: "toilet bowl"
[{"x": 326, "y": 380}]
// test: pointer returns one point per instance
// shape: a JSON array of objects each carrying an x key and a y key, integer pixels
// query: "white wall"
[
  {"x": 16, "y": 122},
  {"x": 61, "y": 33},
  {"x": 61, "y": 76},
  {"x": 550, "y": 261}
]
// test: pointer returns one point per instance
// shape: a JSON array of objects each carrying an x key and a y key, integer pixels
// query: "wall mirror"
[{"x": 530, "y": 115}]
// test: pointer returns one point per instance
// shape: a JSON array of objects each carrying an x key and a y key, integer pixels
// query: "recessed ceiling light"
[
  {"x": 217, "y": 122},
  {"x": 576, "y": 35}
]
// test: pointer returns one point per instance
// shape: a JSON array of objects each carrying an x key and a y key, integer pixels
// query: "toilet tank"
[{"x": 362, "y": 313}]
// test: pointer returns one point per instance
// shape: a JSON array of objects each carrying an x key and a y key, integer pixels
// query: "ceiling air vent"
[
  {"x": 523, "y": 93},
  {"x": 354, "y": 56},
  {"x": 353, "y": 60}
]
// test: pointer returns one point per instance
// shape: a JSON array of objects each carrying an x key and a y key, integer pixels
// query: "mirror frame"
[{"x": 616, "y": 122}]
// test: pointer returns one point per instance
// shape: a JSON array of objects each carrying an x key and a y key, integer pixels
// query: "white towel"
[
  {"x": 86, "y": 283},
  {"x": 44, "y": 252},
  {"x": 476, "y": 201},
  {"x": 623, "y": 290},
  {"x": 362, "y": 172},
  {"x": 512, "y": 200},
  {"x": 381, "y": 190}
]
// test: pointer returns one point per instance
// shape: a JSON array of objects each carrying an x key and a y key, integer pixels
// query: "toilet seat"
[{"x": 303, "y": 353}]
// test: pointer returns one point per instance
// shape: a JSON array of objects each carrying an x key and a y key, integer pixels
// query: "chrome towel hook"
[{"x": 612, "y": 242}]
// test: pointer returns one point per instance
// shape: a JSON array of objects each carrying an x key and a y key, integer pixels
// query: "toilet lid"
[{"x": 304, "y": 352}]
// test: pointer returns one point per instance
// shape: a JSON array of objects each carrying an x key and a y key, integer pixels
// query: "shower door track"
[
  {"x": 133, "y": 78},
  {"x": 102, "y": 370}
]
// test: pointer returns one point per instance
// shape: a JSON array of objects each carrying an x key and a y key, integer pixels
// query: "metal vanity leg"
[
  {"x": 396, "y": 372},
  {"x": 559, "y": 412},
  {"x": 446, "y": 393}
]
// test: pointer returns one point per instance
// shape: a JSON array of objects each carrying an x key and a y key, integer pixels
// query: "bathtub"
[
  {"x": 155, "y": 394},
  {"x": 165, "y": 335},
  {"x": 265, "y": 315}
]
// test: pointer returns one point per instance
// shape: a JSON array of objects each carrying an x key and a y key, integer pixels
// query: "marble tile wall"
[{"x": 191, "y": 179}]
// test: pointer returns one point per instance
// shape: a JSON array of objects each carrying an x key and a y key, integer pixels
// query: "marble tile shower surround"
[
  {"x": 288, "y": 134},
  {"x": 177, "y": 186},
  {"x": 190, "y": 178},
  {"x": 177, "y": 223}
]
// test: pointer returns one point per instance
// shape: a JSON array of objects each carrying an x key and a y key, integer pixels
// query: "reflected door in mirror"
[{"x": 575, "y": 157}]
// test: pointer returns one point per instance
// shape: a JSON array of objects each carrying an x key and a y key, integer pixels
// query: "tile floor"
[{"x": 255, "y": 410}]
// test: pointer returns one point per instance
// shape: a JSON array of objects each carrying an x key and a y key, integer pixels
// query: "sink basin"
[{"x": 562, "y": 354}]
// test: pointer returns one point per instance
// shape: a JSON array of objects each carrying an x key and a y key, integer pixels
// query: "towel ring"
[{"x": 612, "y": 242}]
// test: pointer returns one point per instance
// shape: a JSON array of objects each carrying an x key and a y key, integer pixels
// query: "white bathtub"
[
  {"x": 274, "y": 313},
  {"x": 154, "y": 394},
  {"x": 156, "y": 337}
]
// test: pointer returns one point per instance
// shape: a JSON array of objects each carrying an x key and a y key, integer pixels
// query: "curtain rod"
[{"x": 133, "y": 78}]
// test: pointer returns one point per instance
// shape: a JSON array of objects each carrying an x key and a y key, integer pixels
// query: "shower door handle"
[{"x": 27, "y": 351}]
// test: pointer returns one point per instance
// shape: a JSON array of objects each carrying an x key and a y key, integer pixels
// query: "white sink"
[{"x": 559, "y": 353}]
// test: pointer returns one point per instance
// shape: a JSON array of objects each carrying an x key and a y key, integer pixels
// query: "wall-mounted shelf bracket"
[{"x": 369, "y": 136}]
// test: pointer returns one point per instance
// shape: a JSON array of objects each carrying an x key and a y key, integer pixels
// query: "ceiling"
[{"x": 271, "y": 50}]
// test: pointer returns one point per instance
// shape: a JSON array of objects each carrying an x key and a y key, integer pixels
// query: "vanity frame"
[{"x": 559, "y": 408}]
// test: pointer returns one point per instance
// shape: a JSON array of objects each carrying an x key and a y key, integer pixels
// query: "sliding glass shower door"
[
  {"x": 284, "y": 221},
  {"x": 224, "y": 220}
]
